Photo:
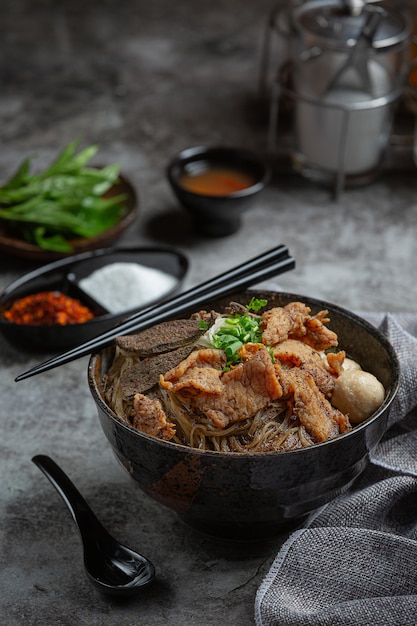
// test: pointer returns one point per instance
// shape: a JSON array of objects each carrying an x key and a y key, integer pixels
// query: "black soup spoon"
[{"x": 112, "y": 567}]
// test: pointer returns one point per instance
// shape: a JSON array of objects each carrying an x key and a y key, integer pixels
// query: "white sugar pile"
[{"x": 122, "y": 286}]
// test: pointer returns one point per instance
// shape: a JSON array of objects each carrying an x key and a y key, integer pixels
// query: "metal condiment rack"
[{"x": 280, "y": 132}]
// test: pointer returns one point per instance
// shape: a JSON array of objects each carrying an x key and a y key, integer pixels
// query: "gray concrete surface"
[{"x": 144, "y": 80}]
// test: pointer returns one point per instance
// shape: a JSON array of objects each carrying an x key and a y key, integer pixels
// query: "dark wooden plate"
[{"x": 18, "y": 247}]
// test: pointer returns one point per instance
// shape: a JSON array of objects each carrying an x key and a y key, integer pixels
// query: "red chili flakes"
[{"x": 48, "y": 308}]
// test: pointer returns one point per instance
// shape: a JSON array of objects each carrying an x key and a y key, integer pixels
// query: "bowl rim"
[
  {"x": 389, "y": 397},
  {"x": 198, "y": 152}
]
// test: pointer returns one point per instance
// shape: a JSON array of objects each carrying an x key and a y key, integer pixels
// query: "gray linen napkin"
[{"x": 354, "y": 563}]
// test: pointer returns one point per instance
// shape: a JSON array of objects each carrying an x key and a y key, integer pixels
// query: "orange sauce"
[{"x": 216, "y": 181}]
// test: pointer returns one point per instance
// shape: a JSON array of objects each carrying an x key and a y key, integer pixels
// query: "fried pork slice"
[
  {"x": 320, "y": 419},
  {"x": 239, "y": 393},
  {"x": 200, "y": 372},
  {"x": 295, "y": 322},
  {"x": 150, "y": 418},
  {"x": 318, "y": 336},
  {"x": 299, "y": 314},
  {"x": 295, "y": 353},
  {"x": 276, "y": 326},
  {"x": 335, "y": 361}
]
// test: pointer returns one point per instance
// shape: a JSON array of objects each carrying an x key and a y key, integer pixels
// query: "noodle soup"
[
  {"x": 248, "y": 379},
  {"x": 234, "y": 495}
]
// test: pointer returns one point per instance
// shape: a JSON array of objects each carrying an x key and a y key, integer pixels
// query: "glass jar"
[{"x": 349, "y": 67}]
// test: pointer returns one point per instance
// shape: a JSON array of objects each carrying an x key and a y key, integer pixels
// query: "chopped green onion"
[{"x": 238, "y": 330}]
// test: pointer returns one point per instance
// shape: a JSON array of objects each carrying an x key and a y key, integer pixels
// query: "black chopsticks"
[{"x": 265, "y": 266}]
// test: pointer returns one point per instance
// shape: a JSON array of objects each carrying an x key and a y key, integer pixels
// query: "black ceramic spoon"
[{"x": 112, "y": 567}]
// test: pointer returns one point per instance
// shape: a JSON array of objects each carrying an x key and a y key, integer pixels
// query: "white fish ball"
[
  {"x": 350, "y": 364},
  {"x": 357, "y": 394}
]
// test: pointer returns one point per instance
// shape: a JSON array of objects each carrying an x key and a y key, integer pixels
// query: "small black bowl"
[
  {"x": 255, "y": 495},
  {"x": 217, "y": 215},
  {"x": 64, "y": 275}
]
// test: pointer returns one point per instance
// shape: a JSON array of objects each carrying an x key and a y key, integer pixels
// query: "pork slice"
[
  {"x": 276, "y": 325},
  {"x": 248, "y": 388},
  {"x": 296, "y": 353},
  {"x": 299, "y": 314},
  {"x": 150, "y": 418},
  {"x": 199, "y": 372},
  {"x": 236, "y": 394},
  {"x": 335, "y": 361},
  {"x": 311, "y": 329},
  {"x": 320, "y": 419},
  {"x": 318, "y": 335},
  {"x": 295, "y": 322}
]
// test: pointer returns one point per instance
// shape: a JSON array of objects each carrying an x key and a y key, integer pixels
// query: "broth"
[{"x": 216, "y": 181}]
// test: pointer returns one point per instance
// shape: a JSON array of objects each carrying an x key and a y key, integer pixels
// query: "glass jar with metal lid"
[{"x": 349, "y": 66}]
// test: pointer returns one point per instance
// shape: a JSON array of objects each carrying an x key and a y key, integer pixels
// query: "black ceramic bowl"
[
  {"x": 217, "y": 215},
  {"x": 64, "y": 275},
  {"x": 253, "y": 496}
]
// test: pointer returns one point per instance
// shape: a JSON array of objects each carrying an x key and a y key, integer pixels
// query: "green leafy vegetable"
[
  {"x": 63, "y": 201},
  {"x": 238, "y": 330}
]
